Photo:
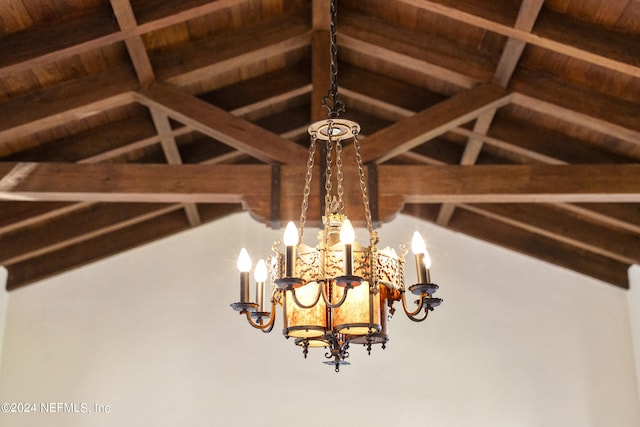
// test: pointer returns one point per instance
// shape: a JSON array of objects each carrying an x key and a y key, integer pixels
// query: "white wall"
[
  {"x": 150, "y": 333},
  {"x": 4, "y": 301},
  {"x": 634, "y": 313}
]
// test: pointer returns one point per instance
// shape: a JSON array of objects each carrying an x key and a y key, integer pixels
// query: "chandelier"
[{"x": 338, "y": 293}]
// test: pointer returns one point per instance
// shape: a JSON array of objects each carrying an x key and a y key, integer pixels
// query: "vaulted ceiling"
[{"x": 512, "y": 121}]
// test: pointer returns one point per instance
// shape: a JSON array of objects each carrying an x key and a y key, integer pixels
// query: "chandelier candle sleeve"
[
  {"x": 347, "y": 236},
  {"x": 423, "y": 260},
  {"x": 291, "y": 242},
  {"x": 244, "y": 265},
  {"x": 261, "y": 276}
]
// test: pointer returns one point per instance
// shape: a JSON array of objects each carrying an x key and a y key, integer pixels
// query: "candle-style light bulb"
[
  {"x": 291, "y": 242},
  {"x": 290, "y": 234},
  {"x": 423, "y": 260},
  {"x": 417, "y": 244},
  {"x": 427, "y": 260},
  {"x": 260, "y": 274},
  {"x": 347, "y": 236},
  {"x": 244, "y": 265}
]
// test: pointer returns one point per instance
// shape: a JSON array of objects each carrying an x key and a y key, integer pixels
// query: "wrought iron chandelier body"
[{"x": 339, "y": 292}]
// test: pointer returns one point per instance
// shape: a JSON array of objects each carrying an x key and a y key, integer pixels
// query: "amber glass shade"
[
  {"x": 305, "y": 322},
  {"x": 382, "y": 336},
  {"x": 360, "y": 312},
  {"x": 312, "y": 342}
]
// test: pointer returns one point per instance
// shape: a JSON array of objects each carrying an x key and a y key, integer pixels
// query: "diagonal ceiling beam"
[
  {"x": 590, "y": 40},
  {"x": 221, "y": 125},
  {"x": 53, "y": 107},
  {"x": 529, "y": 10},
  {"x": 231, "y": 183},
  {"x": 104, "y": 36},
  {"x": 135, "y": 46},
  {"x": 432, "y": 122}
]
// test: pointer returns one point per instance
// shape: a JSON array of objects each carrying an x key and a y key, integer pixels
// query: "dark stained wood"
[
  {"x": 70, "y": 91},
  {"x": 95, "y": 142},
  {"x": 184, "y": 65},
  {"x": 588, "y": 38},
  {"x": 44, "y": 44},
  {"x": 548, "y": 221},
  {"x": 375, "y": 38},
  {"x": 577, "y": 105},
  {"x": 54, "y": 106},
  {"x": 428, "y": 124},
  {"x": 229, "y": 184},
  {"x": 135, "y": 46},
  {"x": 543, "y": 248},
  {"x": 55, "y": 262},
  {"x": 79, "y": 225},
  {"x": 221, "y": 125}
]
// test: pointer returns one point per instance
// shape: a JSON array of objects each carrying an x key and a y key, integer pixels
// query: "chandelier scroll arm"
[
  {"x": 342, "y": 300},
  {"x": 315, "y": 301},
  {"x": 264, "y": 327},
  {"x": 411, "y": 314}
]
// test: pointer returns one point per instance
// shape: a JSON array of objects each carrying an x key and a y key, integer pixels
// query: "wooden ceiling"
[{"x": 512, "y": 121}]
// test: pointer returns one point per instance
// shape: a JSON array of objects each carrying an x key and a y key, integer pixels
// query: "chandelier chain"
[
  {"x": 307, "y": 186},
  {"x": 363, "y": 184},
  {"x": 328, "y": 186},
  {"x": 340, "y": 176},
  {"x": 332, "y": 100}
]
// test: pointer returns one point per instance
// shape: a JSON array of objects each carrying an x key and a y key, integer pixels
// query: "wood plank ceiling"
[{"x": 513, "y": 121}]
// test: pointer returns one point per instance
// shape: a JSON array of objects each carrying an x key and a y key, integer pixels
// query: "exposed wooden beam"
[
  {"x": 529, "y": 10},
  {"x": 511, "y": 183},
  {"x": 35, "y": 47},
  {"x": 17, "y": 215},
  {"x": 171, "y": 153},
  {"x": 101, "y": 245},
  {"x": 230, "y": 183},
  {"x": 587, "y": 43},
  {"x": 320, "y": 73},
  {"x": 549, "y": 221},
  {"x": 541, "y": 247},
  {"x": 414, "y": 63},
  {"x": 220, "y": 125},
  {"x": 622, "y": 216},
  {"x": 199, "y": 61},
  {"x": 527, "y": 16},
  {"x": 93, "y": 142},
  {"x": 135, "y": 46},
  {"x": 40, "y": 45},
  {"x": 613, "y": 117},
  {"x": 268, "y": 104},
  {"x": 60, "y": 104},
  {"x": 546, "y": 95},
  {"x": 421, "y": 127},
  {"x": 77, "y": 226}
]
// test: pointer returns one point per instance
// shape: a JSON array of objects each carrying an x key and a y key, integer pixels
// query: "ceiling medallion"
[{"x": 339, "y": 292}]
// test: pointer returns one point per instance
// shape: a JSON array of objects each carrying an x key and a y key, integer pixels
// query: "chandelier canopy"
[{"x": 339, "y": 292}]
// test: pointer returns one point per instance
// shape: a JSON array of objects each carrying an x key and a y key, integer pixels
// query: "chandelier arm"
[
  {"x": 313, "y": 304},
  {"x": 307, "y": 186},
  {"x": 406, "y": 309},
  {"x": 266, "y": 328},
  {"x": 420, "y": 319},
  {"x": 342, "y": 300}
]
